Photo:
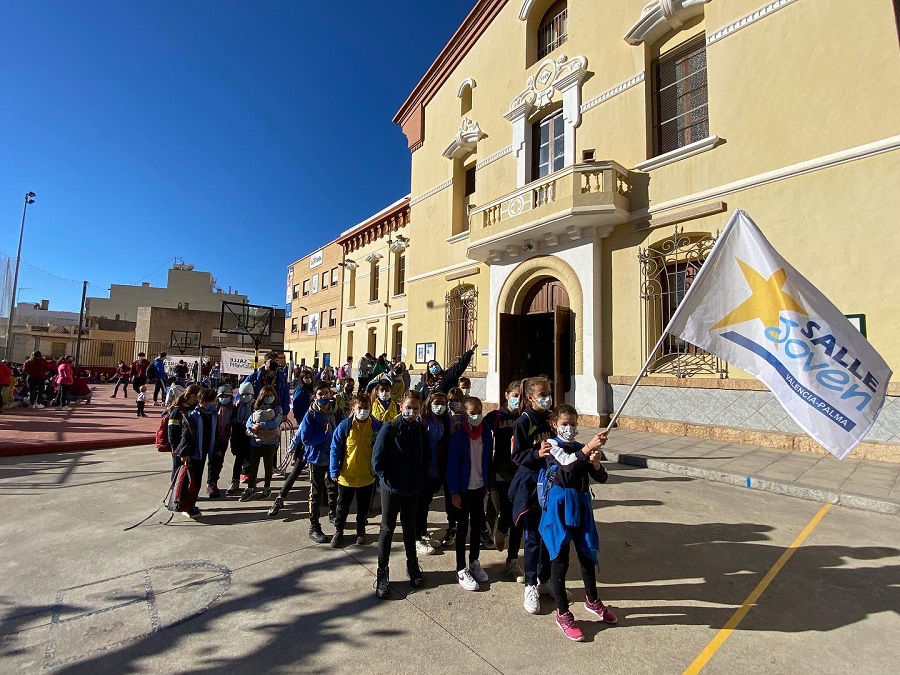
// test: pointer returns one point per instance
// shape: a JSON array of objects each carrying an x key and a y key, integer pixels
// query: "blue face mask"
[
  {"x": 224, "y": 400},
  {"x": 435, "y": 369},
  {"x": 513, "y": 402},
  {"x": 269, "y": 400}
]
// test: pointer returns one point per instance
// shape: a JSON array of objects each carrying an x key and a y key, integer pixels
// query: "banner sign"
[
  {"x": 748, "y": 306},
  {"x": 316, "y": 258},
  {"x": 234, "y": 362},
  {"x": 173, "y": 359},
  {"x": 313, "y": 328}
]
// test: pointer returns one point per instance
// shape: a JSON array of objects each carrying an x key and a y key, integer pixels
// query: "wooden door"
[
  {"x": 507, "y": 349},
  {"x": 562, "y": 354}
]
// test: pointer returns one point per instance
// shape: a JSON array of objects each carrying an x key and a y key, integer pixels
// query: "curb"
[
  {"x": 19, "y": 450},
  {"x": 799, "y": 490}
]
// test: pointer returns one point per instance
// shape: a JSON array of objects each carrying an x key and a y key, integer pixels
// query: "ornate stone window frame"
[
  {"x": 661, "y": 16},
  {"x": 465, "y": 141},
  {"x": 561, "y": 75}
]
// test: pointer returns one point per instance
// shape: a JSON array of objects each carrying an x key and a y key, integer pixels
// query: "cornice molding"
[
  {"x": 618, "y": 89},
  {"x": 660, "y": 16},
  {"x": 745, "y": 21}
]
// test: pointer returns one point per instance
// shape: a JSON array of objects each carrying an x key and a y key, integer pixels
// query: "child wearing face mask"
[
  {"x": 345, "y": 396},
  {"x": 384, "y": 408},
  {"x": 400, "y": 459},
  {"x": 302, "y": 396},
  {"x": 264, "y": 440},
  {"x": 468, "y": 473},
  {"x": 530, "y": 430},
  {"x": 455, "y": 399},
  {"x": 351, "y": 467},
  {"x": 502, "y": 422},
  {"x": 436, "y": 420},
  {"x": 224, "y": 411},
  {"x": 240, "y": 442},
  {"x": 197, "y": 442},
  {"x": 316, "y": 432},
  {"x": 465, "y": 385},
  {"x": 568, "y": 516}
]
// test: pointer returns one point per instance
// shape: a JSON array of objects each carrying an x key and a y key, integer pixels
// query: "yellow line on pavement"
[{"x": 741, "y": 612}]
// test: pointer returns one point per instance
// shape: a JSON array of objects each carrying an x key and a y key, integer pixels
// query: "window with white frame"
[{"x": 548, "y": 145}]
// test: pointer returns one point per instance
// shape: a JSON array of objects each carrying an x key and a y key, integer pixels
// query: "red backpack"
[{"x": 162, "y": 435}]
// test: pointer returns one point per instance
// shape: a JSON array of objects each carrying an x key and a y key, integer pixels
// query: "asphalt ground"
[{"x": 238, "y": 591}]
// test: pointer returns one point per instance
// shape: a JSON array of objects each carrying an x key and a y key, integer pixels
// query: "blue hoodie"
[
  {"x": 316, "y": 440},
  {"x": 459, "y": 459},
  {"x": 160, "y": 367}
]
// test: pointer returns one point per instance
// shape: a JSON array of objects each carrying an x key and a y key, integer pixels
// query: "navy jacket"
[
  {"x": 459, "y": 460},
  {"x": 401, "y": 457}
]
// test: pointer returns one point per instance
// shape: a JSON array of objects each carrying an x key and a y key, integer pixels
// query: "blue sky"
[{"x": 237, "y": 135}]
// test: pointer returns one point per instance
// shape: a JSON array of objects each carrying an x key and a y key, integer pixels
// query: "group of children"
[{"x": 522, "y": 461}]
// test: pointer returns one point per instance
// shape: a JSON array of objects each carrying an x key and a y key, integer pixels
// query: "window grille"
[
  {"x": 680, "y": 97},
  {"x": 553, "y": 29},
  {"x": 667, "y": 270},
  {"x": 462, "y": 313}
]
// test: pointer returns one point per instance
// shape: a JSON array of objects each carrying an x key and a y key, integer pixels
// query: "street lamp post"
[{"x": 29, "y": 199}]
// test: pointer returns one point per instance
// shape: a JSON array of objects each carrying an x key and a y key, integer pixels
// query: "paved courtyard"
[{"x": 243, "y": 593}]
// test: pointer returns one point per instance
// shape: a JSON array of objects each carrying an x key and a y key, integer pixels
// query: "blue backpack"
[{"x": 544, "y": 483}]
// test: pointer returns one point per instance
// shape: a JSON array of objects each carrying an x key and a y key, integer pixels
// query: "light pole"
[
  {"x": 401, "y": 243},
  {"x": 29, "y": 199}
]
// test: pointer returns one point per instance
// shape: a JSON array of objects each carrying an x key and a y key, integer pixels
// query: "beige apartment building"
[
  {"x": 573, "y": 161},
  {"x": 313, "y": 322},
  {"x": 374, "y": 294}
]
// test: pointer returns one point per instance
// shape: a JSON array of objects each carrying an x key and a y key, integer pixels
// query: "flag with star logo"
[{"x": 749, "y": 307}]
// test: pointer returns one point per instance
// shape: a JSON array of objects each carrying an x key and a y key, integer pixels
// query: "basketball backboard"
[
  {"x": 254, "y": 321},
  {"x": 183, "y": 340}
]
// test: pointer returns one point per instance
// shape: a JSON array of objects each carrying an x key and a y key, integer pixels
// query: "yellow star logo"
[{"x": 766, "y": 302}]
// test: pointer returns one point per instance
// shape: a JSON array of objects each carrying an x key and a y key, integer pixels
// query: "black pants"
[
  {"x": 299, "y": 464},
  {"x": 322, "y": 490},
  {"x": 159, "y": 386},
  {"x": 216, "y": 460},
  {"x": 240, "y": 448},
  {"x": 140, "y": 408},
  {"x": 267, "y": 454},
  {"x": 452, "y": 511},
  {"x": 393, "y": 505},
  {"x": 558, "y": 569},
  {"x": 137, "y": 383},
  {"x": 537, "y": 559},
  {"x": 62, "y": 396},
  {"x": 363, "y": 496},
  {"x": 471, "y": 520},
  {"x": 432, "y": 486},
  {"x": 123, "y": 382},
  {"x": 36, "y": 389}
]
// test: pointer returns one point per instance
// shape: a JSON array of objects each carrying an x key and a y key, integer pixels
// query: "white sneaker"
[
  {"x": 466, "y": 580},
  {"x": 423, "y": 547},
  {"x": 39, "y": 406},
  {"x": 532, "y": 603},
  {"x": 544, "y": 589},
  {"x": 66, "y": 407},
  {"x": 478, "y": 572}
]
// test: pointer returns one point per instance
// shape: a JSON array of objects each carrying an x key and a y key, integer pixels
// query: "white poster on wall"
[{"x": 236, "y": 363}]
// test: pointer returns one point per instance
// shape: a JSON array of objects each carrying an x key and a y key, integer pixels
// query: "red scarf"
[{"x": 474, "y": 432}]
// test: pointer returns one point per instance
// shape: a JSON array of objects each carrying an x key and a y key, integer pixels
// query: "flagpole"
[{"x": 731, "y": 224}]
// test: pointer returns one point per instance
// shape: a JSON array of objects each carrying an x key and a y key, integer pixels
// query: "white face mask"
[
  {"x": 475, "y": 420},
  {"x": 438, "y": 409},
  {"x": 363, "y": 414},
  {"x": 567, "y": 432},
  {"x": 409, "y": 413},
  {"x": 384, "y": 396},
  {"x": 465, "y": 390},
  {"x": 545, "y": 402}
]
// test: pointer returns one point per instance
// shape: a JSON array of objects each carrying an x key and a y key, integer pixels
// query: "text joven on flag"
[{"x": 748, "y": 306}]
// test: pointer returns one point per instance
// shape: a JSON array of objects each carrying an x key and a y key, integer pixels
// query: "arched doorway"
[{"x": 537, "y": 340}]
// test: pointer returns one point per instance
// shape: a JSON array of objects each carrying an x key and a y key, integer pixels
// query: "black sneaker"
[
  {"x": 316, "y": 534},
  {"x": 360, "y": 539},
  {"x": 276, "y": 507},
  {"x": 382, "y": 583},
  {"x": 449, "y": 538},
  {"x": 266, "y": 493},
  {"x": 415, "y": 574},
  {"x": 248, "y": 494},
  {"x": 487, "y": 539},
  {"x": 337, "y": 540},
  {"x": 234, "y": 489}
]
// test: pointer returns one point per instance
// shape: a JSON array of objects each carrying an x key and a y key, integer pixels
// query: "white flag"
[
  {"x": 749, "y": 307},
  {"x": 234, "y": 362}
]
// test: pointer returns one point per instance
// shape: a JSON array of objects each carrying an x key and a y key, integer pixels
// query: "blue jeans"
[{"x": 122, "y": 382}]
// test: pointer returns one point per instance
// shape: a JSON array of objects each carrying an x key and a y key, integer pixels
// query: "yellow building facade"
[
  {"x": 375, "y": 316},
  {"x": 314, "y": 297},
  {"x": 573, "y": 161}
]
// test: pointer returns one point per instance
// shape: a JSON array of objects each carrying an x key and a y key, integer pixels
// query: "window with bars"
[
  {"x": 680, "y": 94},
  {"x": 552, "y": 31},
  {"x": 548, "y": 146}
]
